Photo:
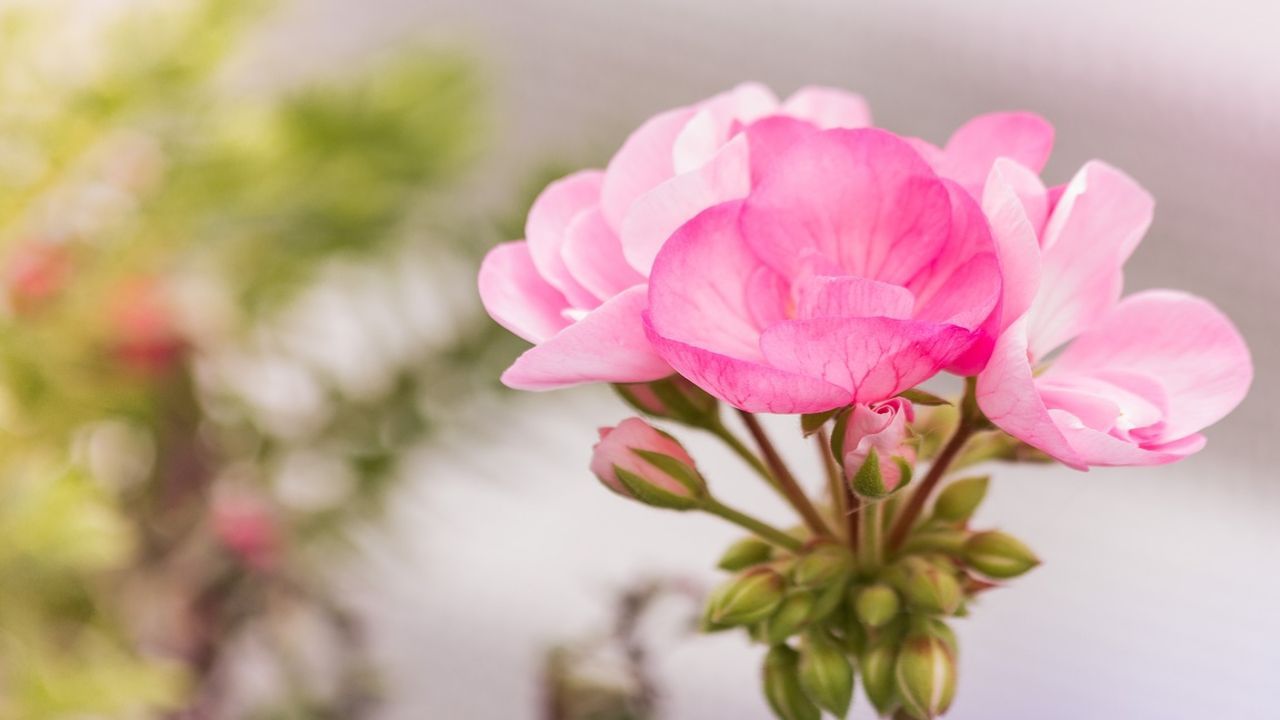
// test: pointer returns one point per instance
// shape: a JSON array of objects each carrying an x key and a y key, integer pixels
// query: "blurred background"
[{"x": 254, "y": 461}]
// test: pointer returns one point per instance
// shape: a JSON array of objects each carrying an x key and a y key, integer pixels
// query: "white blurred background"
[{"x": 1159, "y": 592}]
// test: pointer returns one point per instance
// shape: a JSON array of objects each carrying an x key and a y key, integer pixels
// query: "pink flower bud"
[
  {"x": 878, "y": 433},
  {"x": 143, "y": 322},
  {"x": 641, "y": 462}
]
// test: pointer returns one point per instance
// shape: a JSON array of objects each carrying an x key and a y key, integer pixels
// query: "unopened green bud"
[
  {"x": 747, "y": 598},
  {"x": 925, "y": 675},
  {"x": 782, "y": 686},
  {"x": 958, "y": 501},
  {"x": 790, "y": 617},
  {"x": 876, "y": 667},
  {"x": 826, "y": 674},
  {"x": 999, "y": 555},
  {"x": 824, "y": 564},
  {"x": 745, "y": 553},
  {"x": 930, "y": 538},
  {"x": 928, "y": 587},
  {"x": 877, "y": 605},
  {"x": 939, "y": 629}
]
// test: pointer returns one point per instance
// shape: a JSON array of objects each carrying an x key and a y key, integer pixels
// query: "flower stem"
[
  {"x": 762, "y": 529},
  {"x": 843, "y": 501},
  {"x": 870, "y": 544},
  {"x": 970, "y": 420},
  {"x": 783, "y": 477}
]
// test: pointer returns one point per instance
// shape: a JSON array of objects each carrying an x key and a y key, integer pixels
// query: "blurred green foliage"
[{"x": 155, "y": 220}]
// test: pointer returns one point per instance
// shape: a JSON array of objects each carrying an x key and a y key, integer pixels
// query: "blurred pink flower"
[
  {"x": 851, "y": 272},
  {"x": 244, "y": 524},
  {"x": 881, "y": 427},
  {"x": 1141, "y": 376},
  {"x": 575, "y": 286},
  {"x": 144, "y": 327},
  {"x": 36, "y": 272}
]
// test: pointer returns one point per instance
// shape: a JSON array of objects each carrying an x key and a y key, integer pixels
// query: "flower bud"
[
  {"x": 641, "y": 462},
  {"x": 874, "y": 449},
  {"x": 875, "y": 665},
  {"x": 999, "y": 555},
  {"x": 782, "y": 686},
  {"x": 957, "y": 501},
  {"x": 671, "y": 398},
  {"x": 928, "y": 587},
  {"x": 824, "y": 564},
  {"x": 826, "y": 674},
  {"x": 925, "y": 675},
  {"x": 748, "y": 598},
  {"x": 876, "y": 605},
  {"x": 790, "y": 617},
  {"x": 743, "y": 554}
]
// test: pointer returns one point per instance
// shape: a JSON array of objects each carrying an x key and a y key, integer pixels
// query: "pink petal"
[
  {"x": 702, "y": 291},
  {"x": 1026, "y": 138},
  {"x": 1098, "y": 449},
  {"x": 1181, "y": 341},
  {"x": 828, "y": 107},
  {"x": 747, "y": 385},
  {"x": 547, "y": 225},
  {"x": 862, "y": 199},
  {"x": 1007, "y": 395},
  {"x": 848, "y": 296},
  {"x": 655, "y": 215},
  {"x": 593, "y": 255},
  {"x": 1095, "y": 226},
  {"x": 643, "y": 161},
  {"x": 517, "y": 297},
  {"x": 606, "y": 345},
  {"x": 1011, "y": 200},
  {"x": 717, "y": 120},
  {"x": 962, "y": 284},
  {"x": 873, "y": 358}
]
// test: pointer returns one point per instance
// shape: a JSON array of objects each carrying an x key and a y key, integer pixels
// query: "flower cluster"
[{"x": 788, "y": 257}]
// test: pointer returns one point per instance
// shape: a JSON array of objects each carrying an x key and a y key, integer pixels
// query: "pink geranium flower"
[
  {"x": 851, "y": 272},
  {"x": 575, "y": 287},
  {"x": 1140, "y": 377}
]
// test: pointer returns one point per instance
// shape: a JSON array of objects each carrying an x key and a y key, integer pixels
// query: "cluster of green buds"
[
  {"x": 829, "y": 613},
  {"x": 867, "y": 586}
]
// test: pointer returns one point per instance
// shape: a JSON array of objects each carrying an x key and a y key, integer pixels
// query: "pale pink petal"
[
  {"x": 655, "y": 215},
  {"x": 748, "y": 385},
  {"x": 861, "y": 198},
  {"x": 593, "y": 255},
  {"x": 828, "y": 107},
  {"x": 702, "y": 290},
  {"x": 1095, "y": 226},
  {"x": 1098, "y": 449},
  {"x": 872, "y": 358},
  {"x": 770, "y": 138},
  {"x": 1013, "y": 195},
  {"x": 1026, "y": 138},
  {"x": 517, "y": 297},
  {"x": 642, "y": 162},
  {"x": 1179, "y": 340},
  {"x": 717, "y": 120},
  {"x": 548, "y": 223},
  {"x": 607, "y": 345},
  {"x": 848, "y": 296},
  {"x": 1007, "y": 395}
]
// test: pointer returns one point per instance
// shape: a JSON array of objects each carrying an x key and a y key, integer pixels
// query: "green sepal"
[
  {"x": 810, "y": 423},
  {"x": 676, "y": 469},
  {"x": 958, "y": 500},
  {"x": 923, "y": 397},
  {"x": 649, "y": 494},
  {"x": 868, "y": 482}
]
